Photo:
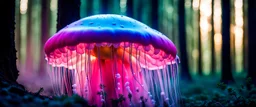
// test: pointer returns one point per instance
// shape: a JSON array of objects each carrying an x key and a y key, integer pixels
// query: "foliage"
[
  {"x": 222, "y": 95},
  {"x": 193, "y": 95},
  {"x": 15, "y": 95}
]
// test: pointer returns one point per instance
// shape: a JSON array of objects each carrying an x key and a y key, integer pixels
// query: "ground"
[{"x": 202, "y": 92}]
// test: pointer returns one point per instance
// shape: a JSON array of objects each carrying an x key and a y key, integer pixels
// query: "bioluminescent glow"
[{"x": 114, "y": 60}]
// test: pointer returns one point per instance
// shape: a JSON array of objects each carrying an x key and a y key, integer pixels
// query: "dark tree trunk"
[
  {"x": 226, "y": 72},
  {"x": 154, "y": 14},
  {"x": 245, "y": 39},
  {"x": 200, "y": 69},
  {"x": 8, "y": 69},
  {"x": 185, "y": 75},
  {"x": 68, "y": 12},
  {"x": 213, "y": 65},
  {"x": 89, "y": 7},
  {"x": 139, "y": 10},
  {"x": 129, "y": 9},
  {"x": 251, "y": 40},
  {"x": 105, "y": 6},
  {"x": 45, "y": 33},
  {"x": 18, "y": 31}
]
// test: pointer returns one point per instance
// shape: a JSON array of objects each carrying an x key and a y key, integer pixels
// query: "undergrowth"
[{"x": 198, "y": 94}]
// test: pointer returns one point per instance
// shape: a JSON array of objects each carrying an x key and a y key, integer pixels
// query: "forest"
[{"x": 214, "y": 39}]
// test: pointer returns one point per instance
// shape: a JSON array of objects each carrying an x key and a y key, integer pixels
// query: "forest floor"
[
  {"x": 208, "y": 91},
  {"x": 204, "y": 91}
]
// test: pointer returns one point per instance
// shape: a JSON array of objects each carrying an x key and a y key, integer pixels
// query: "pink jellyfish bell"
[{"x": 114, "y": 60}]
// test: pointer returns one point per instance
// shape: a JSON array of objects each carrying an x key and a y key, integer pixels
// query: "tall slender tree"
[
  {"x": 251, "y": 39},
  {"x": 89, "y": 7},
  {"x": 182, "y": 41},
  {"x": 200, "y": 68},
  {"x": 154, "y": 14},
  {"x": 245, "y": 38},
  {"x": 115, "y": 8},
  {"x": 105, "y": 6},
  {"x": 8, "y": 69},
  {"x": 138, "y": 11},
  {"x": 129, "y": 9},
  {"x": 226, "y": 73},
  {"x": 213, "y": 65},
  {"x": 232, "y": 38},
  {"x": 29, "y": 59},
  {"x": 68, "y": 12},
  {"x": 45, "y": 11},
  {"x": 18, "y": 31}
]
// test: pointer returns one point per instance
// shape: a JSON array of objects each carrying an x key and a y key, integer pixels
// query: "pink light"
[{"x": 126, "y": 59}]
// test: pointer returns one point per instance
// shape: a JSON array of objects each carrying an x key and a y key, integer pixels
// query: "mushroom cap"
[{"x": 111, "y": 29}]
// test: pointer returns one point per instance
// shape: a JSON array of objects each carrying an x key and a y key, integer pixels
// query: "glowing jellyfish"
[{"x": 114, "y": 60}]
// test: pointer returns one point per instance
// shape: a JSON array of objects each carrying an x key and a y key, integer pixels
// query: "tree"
[
  {"x": 129, "y": 9},
  {"x": 29, "y": 59},
  {"x": 45, "y": 32},
  {"x": 154, "y": 14},
  {"x": 105, "y": 6},
  {"x": 226, "y": 73},
  {"x": 251, "y": 40},
  {"x": 89, "y": 7},
  {"x": 18, "y": 31},
  {"x": 68, "y": 12},
  {"x": 213, "y": 66},
  {"x": 138, "y": 12},
  {"x": 200, "y": 70},
  {"x": 182, "y": 41},
  {"x": 8, "y": 69},
  {"x": 245, "y": 33}
]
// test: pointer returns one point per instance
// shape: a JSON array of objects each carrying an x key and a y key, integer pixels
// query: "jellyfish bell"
[{"x": 106, "y": 58}]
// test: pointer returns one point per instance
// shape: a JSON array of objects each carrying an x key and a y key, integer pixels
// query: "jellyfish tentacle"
[
  {"x": 162, "y": 91},
  {"x": 53, "y": 80},
  {"x": 131, "y": 65},
  {"x": 169, "y": 85},
  {"x": 102, "y": 86},
  {"x": 79, "y": 81},
  {"x": 108, "y": 81},
  {"x": 114, "y": 71}
]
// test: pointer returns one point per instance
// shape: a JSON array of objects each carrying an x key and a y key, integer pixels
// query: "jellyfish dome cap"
[
  {"x": 110, "y": 29},
  {"x": 106, "y": 58}
]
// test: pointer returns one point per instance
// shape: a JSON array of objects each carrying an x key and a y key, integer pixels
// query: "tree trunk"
[
  {"x": 139, "y": 10},
  {"x": 245, "y": 39},
  {"x": 251, "y": 40},
  {"x": 129, "y": 9},
  {"x": 232, "y": 39},
  {"x": 115, "y": 8},
  {"x": 185, "y": 75},
  {"x": 29, "y": 57},
  {"x": 105, "y": 6},
  {"x": 154, "y": 14},
  {"x": 213, "y": 65},
  {"x": 200, "y": 69},
  {"x": 89, "y": 7},
  {"x": 8, "y": 69},
  {"x": 45, "y": 33},
  {"x": 68, "y": 12},
  {"x": 226, "y": 72},
  {"x": 18, "y": 32}
]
